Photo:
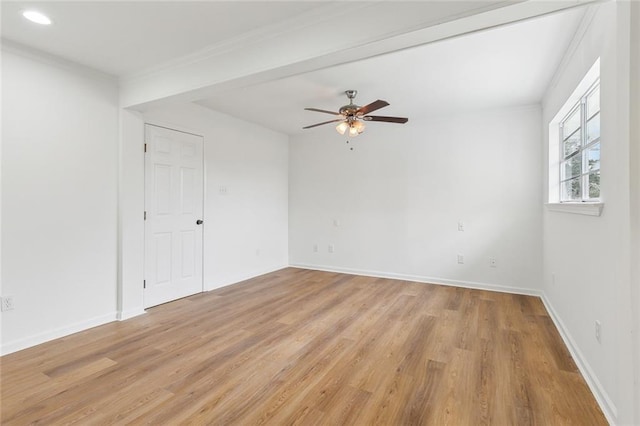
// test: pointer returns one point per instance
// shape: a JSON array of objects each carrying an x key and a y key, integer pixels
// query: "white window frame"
[
  {"x": 586, "y": 206},
  {"x": 584, "y": 145}
]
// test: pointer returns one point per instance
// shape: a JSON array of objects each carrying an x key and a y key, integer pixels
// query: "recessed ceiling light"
[{"x": 37, "y": 17}]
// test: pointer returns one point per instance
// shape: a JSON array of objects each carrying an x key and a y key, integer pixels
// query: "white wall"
[
  {"x": 398, "y": 197},
  {"x": 635, "y": 190},
  {"x": 246, "y": 231},
  {"x": 71, "y": 250},
  {"x": 590, "y": 256},
  {"x": 59, "y": 143}
]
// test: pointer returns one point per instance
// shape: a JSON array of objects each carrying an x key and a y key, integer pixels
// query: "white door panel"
[{"x": 173, "y": 204}]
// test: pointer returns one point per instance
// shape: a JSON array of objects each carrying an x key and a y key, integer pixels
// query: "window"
[
  {"x": 580, "y": 149},
  {"x": 574, "y": 149}
]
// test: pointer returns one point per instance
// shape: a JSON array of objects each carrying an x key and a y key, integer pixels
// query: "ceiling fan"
[{"x": 352, "y": 116}]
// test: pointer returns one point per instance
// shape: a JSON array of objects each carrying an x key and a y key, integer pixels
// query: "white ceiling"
[
  {"x": 125, "y": 37},
  {"x": 510, "y": 65}
]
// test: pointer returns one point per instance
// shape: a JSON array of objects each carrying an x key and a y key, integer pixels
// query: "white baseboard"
[
  {"x": 27, "y": 342},
  {"x": 125, "y": 315},
  {"x": 234, "y": 279},
  {"x": 422, "y": 279},
  {"x": 606, "y": 404}
]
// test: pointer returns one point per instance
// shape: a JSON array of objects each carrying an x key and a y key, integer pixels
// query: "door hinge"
[
  {"x": 145, "y": 147},
  {"x": 144, "y": 283},
  {"x": 145, "y": 215}
]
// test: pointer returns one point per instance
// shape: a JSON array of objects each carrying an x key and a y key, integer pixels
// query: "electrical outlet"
[
  {"x": 257, "y": 252},
  {"x": 331, "y": 248},
  {"x": 598, "y": 331},
  {"x": 336, "y": 222},
  {"x": 493, "y": 263},
  {"x": 460, "y": 226},
  {"x": 315, "y": 248},
  {"x": 223, "y": 190},
  {"x": 7, "y": 303},
  {"x": 460, "y": 259}
]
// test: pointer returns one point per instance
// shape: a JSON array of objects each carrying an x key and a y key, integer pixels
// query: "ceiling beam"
[{"x": 352, "y": 33}]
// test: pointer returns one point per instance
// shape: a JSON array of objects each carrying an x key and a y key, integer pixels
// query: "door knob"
[{"x": 199, "y": 222}]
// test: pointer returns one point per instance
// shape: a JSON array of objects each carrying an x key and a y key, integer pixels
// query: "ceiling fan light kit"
[
  {"x": 342, "y": 127},
  {"x": 355, "y": 128},
  {"x": 353, "y": 116}
]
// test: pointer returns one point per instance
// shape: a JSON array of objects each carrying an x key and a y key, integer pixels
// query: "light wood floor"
[{"x": 306, "y": 347}]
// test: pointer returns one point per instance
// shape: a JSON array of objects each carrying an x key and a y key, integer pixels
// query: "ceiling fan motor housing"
[{"x": 350, "y": 110}]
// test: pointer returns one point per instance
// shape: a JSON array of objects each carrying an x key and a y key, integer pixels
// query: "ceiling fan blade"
[
  {"x": 373, "y": 106},
  {"x": 385, "y": 119},
  {"x": 324, "y": 122},
  {"x": 322, "y": 110}
]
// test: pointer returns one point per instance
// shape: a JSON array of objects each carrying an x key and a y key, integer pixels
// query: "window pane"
[
  {"x": 571, "y": 124},
  {"x": 594, "y": 184},
  {"x": 593, "y": 157},
  {"x": 593, "y": 128},
  {"x": 572, "y": 167},
  {"x": 571, "y": 190},
  {"x": 593, "y": 102},
  {"x": 572, "y": 144}
]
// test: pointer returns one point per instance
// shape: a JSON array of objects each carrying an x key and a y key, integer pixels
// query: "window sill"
[{"x": 589, "y": 209}]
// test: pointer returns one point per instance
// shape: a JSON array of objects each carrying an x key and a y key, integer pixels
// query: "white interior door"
[{"x": 173, "y": 214}]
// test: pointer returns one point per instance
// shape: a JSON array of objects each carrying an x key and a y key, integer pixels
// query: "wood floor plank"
[{"x": 301, "y": 347}]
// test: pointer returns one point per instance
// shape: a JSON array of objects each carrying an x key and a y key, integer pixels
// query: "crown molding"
[
  {"x": 583, "y": 27},
  {"x": 14, "y": 47},
  {"x": 300, "y": 22}
]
